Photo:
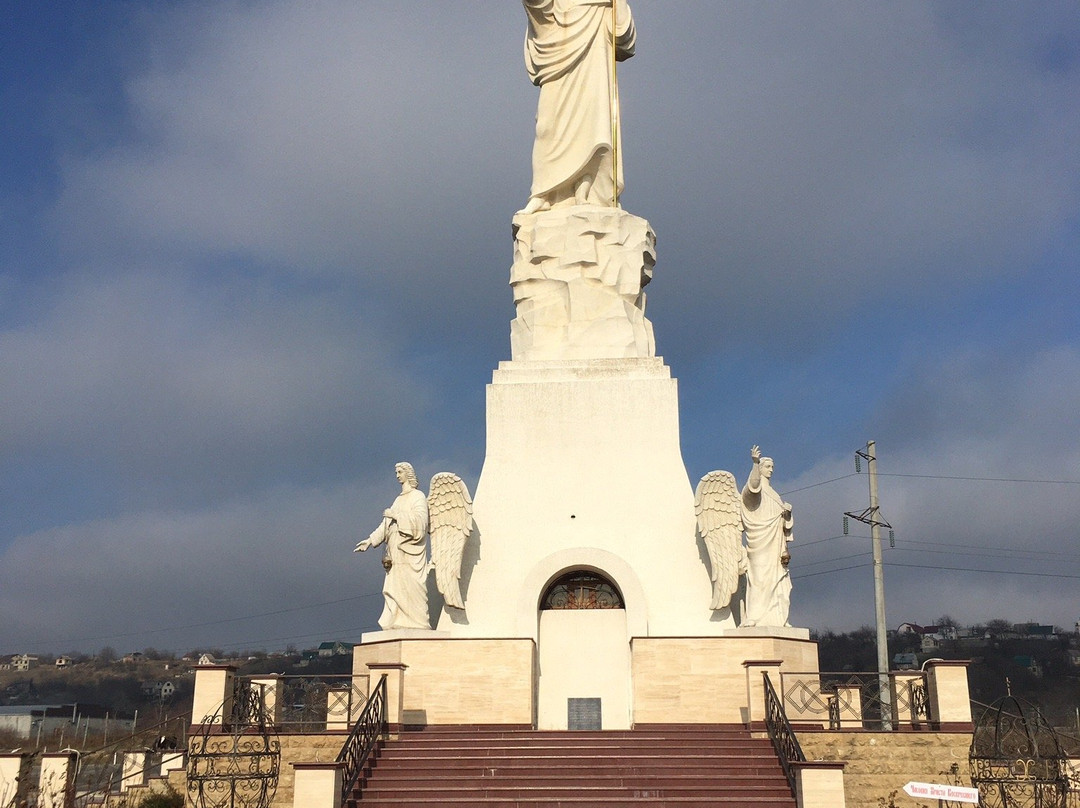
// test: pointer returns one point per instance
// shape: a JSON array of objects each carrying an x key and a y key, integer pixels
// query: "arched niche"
[{"x": 585, "y": 559}]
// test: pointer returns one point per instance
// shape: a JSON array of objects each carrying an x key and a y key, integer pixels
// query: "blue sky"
[{"x": 253, "y": 253}]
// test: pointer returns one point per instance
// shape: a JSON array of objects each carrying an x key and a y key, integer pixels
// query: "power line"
[
  {"x": 816, "y": 485},
  {"x": 833, "y": 560},
  {"x": 207, "y": 623},
  {"x": 250, "y": 643},
  {"x": 829, "y": 572},
  {"x": 1007, "y": 554},
  {"x": 939, "y": 477},
  {"x": 991, "y": 572},
  {"x": 987, "y": 547},
  {"x": 982, "y": 479},
  {"x": 830, "y": 538}
]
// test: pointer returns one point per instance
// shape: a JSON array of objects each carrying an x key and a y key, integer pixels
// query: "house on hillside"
[
  {"x": 63, "y": 662},
  {"x": 23, "y": 662},
  {"x": 159, "y": 690},
  {"x": 336, "y": 648},
  {"x": 931, "y": 637},
  {"x": 1035, "y": 631},
  {"x": 1029, "y": 663},
  {"x": 905, "y": 662}
]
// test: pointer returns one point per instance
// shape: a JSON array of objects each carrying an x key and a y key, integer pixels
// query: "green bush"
[{"x": 167, "y": 799}]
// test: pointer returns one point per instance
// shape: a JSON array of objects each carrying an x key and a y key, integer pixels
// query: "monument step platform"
[
  {"x": 470, "y": 759},
  {"x": 645, "y": 779},
  {"x": 578, "y": 802},
  {"x": 670, "y": 765}
]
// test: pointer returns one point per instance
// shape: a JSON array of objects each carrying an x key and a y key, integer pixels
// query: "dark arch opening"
[{"x": 581, "y": 589}]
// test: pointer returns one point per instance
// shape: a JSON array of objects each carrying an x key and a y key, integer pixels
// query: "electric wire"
[
  {"x": 206, "y": 623},
  {"x": 978, "y": 479}
]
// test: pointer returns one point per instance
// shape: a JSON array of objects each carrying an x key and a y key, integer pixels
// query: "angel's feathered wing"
[
  {"x": 719, "y": 521},
  {"x": 451, "y": 522}
]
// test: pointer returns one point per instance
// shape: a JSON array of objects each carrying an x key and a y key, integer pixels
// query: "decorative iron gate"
[
  {"x": 1016, "y": 759},
  {"x": 236, "y": 759}
]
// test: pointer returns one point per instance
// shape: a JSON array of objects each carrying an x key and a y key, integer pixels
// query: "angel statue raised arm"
[
  {"x": 718, "y": 507},
  {"x": 768, "y": 523},
  {"x": 570, "y": 53},
  {"x": 447, "y": 511}
]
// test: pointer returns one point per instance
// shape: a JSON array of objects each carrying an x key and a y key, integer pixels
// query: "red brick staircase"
[{"x": 677, "y": 766}]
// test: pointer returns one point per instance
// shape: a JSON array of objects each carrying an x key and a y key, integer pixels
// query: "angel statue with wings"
[
  {"x": 447, "y": 513},
  {"x": 723, "y": 514},
  {"x": 719, "y": 520}
]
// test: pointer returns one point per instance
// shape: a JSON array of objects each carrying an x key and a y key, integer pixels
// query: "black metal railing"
[
  {"x": 298, "y": 704},
  {"x": 369, "y": 728},
  {"x": 234, "y": 761},
  {"x": 846, "y": 700},
  {"x": 781, "y": 734}
]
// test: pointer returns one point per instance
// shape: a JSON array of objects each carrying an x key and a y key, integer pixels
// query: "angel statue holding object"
[
  {"x": 723, "y": 514},
  {"x": 570, "y": 53},
  {"x": 447, "y": 512},
  {"x": 768, "y": 524}
]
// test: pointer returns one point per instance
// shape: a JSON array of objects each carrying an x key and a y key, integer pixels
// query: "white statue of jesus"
[{"x": 568, "y": 54}]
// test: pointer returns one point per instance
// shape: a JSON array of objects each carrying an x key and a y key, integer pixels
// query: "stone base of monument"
[
  {"x": 584, "y": 474},
  {"x": 651, "y": 680}
]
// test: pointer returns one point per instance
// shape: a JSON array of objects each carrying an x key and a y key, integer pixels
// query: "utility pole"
[{"x": 872, "y": 516}]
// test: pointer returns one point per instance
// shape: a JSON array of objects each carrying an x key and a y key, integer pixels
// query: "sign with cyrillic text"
[{"x": 940, "y": 792}]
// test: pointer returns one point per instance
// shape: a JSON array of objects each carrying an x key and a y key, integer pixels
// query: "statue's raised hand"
[{"x": 755, "y": 453}]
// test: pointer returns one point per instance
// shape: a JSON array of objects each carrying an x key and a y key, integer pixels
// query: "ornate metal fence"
[
  {"x": 1016, "y": 759},
  {"x": 781, "y": 734},
  {"x": 854, "y": 700},
  {"x": 369, "y": 729},
  {"x": 235, "y": 761},
  {"x": 319, "y": 703}
]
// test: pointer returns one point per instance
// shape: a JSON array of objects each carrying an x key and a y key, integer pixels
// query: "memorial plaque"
[{"x": 583, "y": 714}]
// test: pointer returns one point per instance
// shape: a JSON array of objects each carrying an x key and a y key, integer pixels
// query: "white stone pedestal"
[{"x": 584, "y": 471}]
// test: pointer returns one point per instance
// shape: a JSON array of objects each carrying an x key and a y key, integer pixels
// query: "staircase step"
[
  {"x": 578, "y": 802},
  {"x": 540, "y": 788},
  {"x": 677, "y": 766},
  {"x": 649, "y": 780}
]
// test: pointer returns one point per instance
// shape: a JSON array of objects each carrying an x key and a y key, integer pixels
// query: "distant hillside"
[{"x": 1042, "y": 670}]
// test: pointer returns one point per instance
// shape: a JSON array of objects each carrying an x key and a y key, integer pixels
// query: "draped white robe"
[
  {"x": 768, "y": 530},
  {"x": 568, "y": 54},
  {"x": 405, "y": 586}
]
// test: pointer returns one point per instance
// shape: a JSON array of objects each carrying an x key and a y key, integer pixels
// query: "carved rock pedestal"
[{"x": 578, "y": 276}]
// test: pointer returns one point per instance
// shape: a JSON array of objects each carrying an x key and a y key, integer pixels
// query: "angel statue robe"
[
  {"x": 768, "y": 530},
  {"x": 568, "y": 55},
  {"x": 405, "y": 586}
]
